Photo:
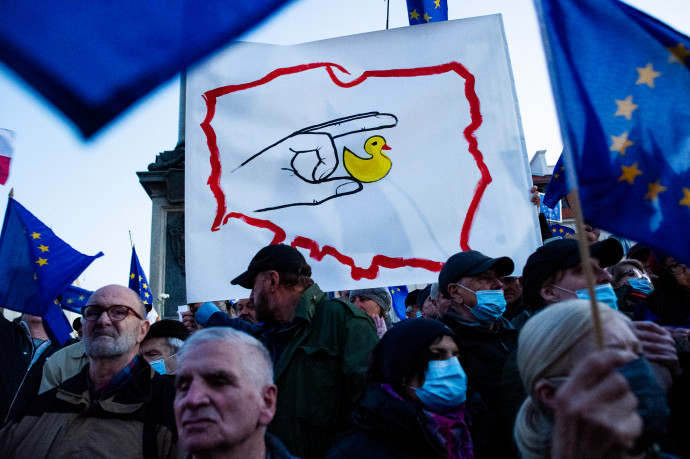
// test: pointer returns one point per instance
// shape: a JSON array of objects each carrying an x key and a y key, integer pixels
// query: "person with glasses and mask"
[{"x": 116, "y": 406}]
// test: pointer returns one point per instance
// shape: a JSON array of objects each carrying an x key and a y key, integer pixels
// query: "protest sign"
[{"x": 377, "y": 155}]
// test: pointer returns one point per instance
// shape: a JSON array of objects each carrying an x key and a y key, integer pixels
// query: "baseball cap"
[
  {"x": 167, "y": 328},
  {"x": 562, "y": 254},
  {"x": 471, "y": 263},
  {"x": 276, "y": 257}
]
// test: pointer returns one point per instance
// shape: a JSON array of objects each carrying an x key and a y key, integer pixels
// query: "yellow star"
[
  {"x": 653, "y": 190},
  {"x": 144, "y": 286},
  {"x": 43, "y": 248},
  {"x": 35, "y": 276},
  {"x": 70, "y": 301},
  {"x": 629, "y": 173},
  {"x": 81, "y": 297},
  {"x": 42, "y": 261},
  {"x": 621, "y": 142},
  {"x": 413, "y": 14},
  {"x": 555, "y": 176},
  {"x": 140, "y": 278},
  {"x": 678, "y": 53},
  {"x": 55, "y": 301},
  {"x": 36, "y": 235},
  {"x": 131, "y": 276},
  {"x": 625, "y": 108},
  {"x": 647, "y": 75},
  {"x": 686, "y": 199},
  {"x": 146, "y": 294},
  {"x": 427, "y": 18},
  {"x": 437, "y": 4}
]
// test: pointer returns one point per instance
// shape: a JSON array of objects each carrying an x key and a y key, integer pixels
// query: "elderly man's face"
[
  {"x": 105, "y": 337},
  {"x": 156, "y": 348},
  {"x": 245, "y": 310},
  {"x": 485, "y": 281},
  {"x": 218, "y": 404}
]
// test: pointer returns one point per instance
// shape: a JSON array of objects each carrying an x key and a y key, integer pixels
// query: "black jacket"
[{"x": 385, "y": 427}]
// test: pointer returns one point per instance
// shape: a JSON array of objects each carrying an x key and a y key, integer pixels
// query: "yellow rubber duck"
[{"x": 370, "y": 169}]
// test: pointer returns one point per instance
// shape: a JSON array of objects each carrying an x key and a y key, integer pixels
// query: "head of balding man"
[{"x": 114, "y": 322}]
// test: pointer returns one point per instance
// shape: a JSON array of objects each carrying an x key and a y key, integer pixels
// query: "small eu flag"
[
  {"x": 557, "y": 188},
  {"x": 560, "y": 230},
  {"x": 35, "y": 267},
  {"x": 423, "y": 11},
  {"x": 138, "y": 281},
  {"x": 75, "y": 298},
  {"x": 622, "y": 90},
  {"x": 398, "y": 294}
]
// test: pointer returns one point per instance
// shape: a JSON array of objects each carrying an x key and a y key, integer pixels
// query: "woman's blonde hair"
[{"x": 543, "y": 343}]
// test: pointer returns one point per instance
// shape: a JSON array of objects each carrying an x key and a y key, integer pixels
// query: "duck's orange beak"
[{"x": 385, "y": 147}]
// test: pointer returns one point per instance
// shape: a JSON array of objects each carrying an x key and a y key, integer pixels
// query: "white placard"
[{"x": 377, "y": 155}]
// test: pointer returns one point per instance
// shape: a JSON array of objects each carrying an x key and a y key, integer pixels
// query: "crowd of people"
[{"x": 487, "y": 364}]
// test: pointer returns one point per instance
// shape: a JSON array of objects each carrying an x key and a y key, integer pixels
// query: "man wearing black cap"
[
  {"x": 484, "y": 338},
  {"x": 161, "y": 344},
  {"x": 319, "y": 346},
  {"x": 554, "y": 273}
]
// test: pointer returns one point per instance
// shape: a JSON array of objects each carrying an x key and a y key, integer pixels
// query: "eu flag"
[
  {"x": 560, "y": 230},
  {"x": 138, "y": 281},
  {"x": 93, "y": 59},
  {"x": 622, "y": 89},
  {"x": 557, "y": 188},
  {"x": 36, "y": 266},
  {"x": 75, "y": 298},
  {"x": 423, "y": 11},
  {"x": 398, "y": 294}
]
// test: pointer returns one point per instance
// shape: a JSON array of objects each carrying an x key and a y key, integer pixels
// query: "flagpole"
[
  {"x": 388, "y": 11},
  {"x": 130, "y": 239},
  {"x": 571, "y": 173}
]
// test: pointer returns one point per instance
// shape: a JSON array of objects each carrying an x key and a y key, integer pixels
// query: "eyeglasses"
[
  {"x": 116, "y": 313},
  {"x": 676, "y": 268}
]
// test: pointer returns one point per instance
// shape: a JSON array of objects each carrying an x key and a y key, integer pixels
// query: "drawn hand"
[{"x": 301, "y": 169}]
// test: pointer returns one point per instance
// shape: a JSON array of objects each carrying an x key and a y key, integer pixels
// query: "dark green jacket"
[{"x": 320, "y": 370}]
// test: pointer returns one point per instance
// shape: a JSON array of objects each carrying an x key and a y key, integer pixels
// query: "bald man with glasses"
[{"x": 116, "y": 406}]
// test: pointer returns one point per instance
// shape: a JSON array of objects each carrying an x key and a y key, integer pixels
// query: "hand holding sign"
[{"x": 308, "y": 161}]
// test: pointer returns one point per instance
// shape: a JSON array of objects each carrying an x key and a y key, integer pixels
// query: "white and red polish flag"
[{"x": 6, "y": 147}]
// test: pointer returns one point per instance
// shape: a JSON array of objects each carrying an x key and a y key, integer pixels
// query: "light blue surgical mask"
[
  {"x": 445, "y": 386},
  {"x": 418, "y": 314},
  {"x": 641, "y": 285},
  {"x": 604, "y": 293},
  {"x": 491, "y": 304},
  {"x": 160, "y": 365}
]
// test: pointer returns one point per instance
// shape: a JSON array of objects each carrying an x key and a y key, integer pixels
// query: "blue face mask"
[
  {"x": 418, "y": 314},
  {"x": 158, "y": 365},
  {"x": 445, "y": 386},
  {"x": 491, "y": 304},
  {"x": 603, "y": 292},
  {"x": 641, "y": 285}
]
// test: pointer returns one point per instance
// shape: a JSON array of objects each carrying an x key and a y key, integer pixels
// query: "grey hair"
[
  {"x": 545, "y": 340},
  {"x": 260, "y": 367},
  {"x": 176, "y": 344}
]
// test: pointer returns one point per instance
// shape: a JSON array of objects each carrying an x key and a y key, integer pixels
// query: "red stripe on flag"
[{"x": 4, "y": 168}]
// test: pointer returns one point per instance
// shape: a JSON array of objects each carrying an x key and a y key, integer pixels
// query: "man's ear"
[
  {"x": 549, "y": 294},
  {"x": 545, "y": 392},
  {"x": 145, "y": 325},
  {"x": 269, "y": 397},
  {"x": 454, "y": 293},
  {"x": 274, "y": 279}
]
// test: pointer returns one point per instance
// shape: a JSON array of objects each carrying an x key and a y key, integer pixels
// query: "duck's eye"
[{"x": 374, "y": 143}]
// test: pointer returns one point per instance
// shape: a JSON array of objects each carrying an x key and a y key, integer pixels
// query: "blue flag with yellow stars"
[
  {"x": 557, "y": 187},
  {"x": 560, "y": 230},
  {"x": 424, "y": 11},
  {"x": 398, "y": 294},
  {"x": 622, "y": 90},
  {"x": 35, "y": 267},
  {"x": 138, "y": 281},
  {"x": 74, "y": 298}
]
